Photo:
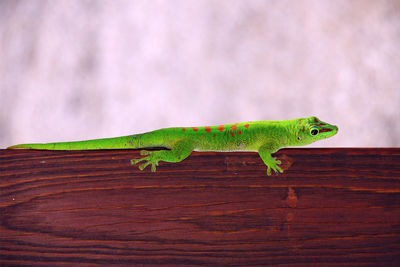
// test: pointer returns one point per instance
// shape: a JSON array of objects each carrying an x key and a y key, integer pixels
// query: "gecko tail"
[
  {"x": 18, "y": 146},
  {"x": 48, "y": 146},
  {"x": 123, "y": 142},
  {"x": 136, "y": 141}
]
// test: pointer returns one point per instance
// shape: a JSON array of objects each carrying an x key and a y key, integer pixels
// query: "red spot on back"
[
  {"x": 233, "y": 134},
  {"x": 221, "y": 128},
  {"x": 302, "y": 130},
  {"x": 247, "y": 125},
  {"x": 195, "y": 129},
  {"x": 316, "y": 121},
  {"x": 240, "y": 132},
  {"x": 183, "y": 129},
  {"x": 208, "y": 129},
  {"x": 321, "y": 124},
  {"x": 214, "y": 135},
  {"x": 234, "y": 127}
]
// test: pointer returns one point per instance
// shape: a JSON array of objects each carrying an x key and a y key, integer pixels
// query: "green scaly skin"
[{"x": 264, "y": 137}]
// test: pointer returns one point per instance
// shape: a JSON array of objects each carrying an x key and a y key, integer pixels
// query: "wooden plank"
[{"x": 330, "y": 207}]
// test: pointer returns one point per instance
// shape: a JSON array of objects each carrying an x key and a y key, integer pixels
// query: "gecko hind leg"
[{"x": 179, "y": 151}]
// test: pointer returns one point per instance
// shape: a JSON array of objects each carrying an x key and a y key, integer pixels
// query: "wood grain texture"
[{"x": 330, "y": 207}]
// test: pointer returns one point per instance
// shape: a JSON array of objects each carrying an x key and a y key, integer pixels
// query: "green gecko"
[{"x": 264, "y": 137}]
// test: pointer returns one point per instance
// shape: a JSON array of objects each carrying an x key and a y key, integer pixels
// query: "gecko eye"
[
  {"x": 314, "y": 131},
  {"x": 298, "y": 138}
]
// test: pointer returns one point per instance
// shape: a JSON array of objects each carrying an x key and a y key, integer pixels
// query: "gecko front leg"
[
  {"x": 178, "y": 152},
  {"x": 265, "y": 153}
]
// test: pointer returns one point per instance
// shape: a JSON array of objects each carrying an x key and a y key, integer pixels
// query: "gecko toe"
[
  {"x": 153, "y": 167},
  {"x": 135, "y": 161},
  {"x": 144, "y": 165},
  {"x": 144, "y": 152},
  {"x": 279, "y": 169}
]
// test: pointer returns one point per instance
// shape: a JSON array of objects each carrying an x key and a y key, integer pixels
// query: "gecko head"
[{"x": 309, "y": 130}]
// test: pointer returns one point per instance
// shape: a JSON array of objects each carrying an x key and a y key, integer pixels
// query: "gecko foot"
[
  {"x": 149, "y": 159},
  {"x": 273, "y": 164}
]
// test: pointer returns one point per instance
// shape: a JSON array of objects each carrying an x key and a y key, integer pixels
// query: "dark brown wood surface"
[{"x": 330, "y": 207}]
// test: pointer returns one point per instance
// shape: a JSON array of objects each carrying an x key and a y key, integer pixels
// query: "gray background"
[{"x": 73, "y": 70}]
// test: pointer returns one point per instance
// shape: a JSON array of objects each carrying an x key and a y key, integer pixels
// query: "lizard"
[{"x": 264, "y": 137}]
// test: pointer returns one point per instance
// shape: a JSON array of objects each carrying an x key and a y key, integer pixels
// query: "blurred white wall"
[{"x": 73, "y": 69}]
